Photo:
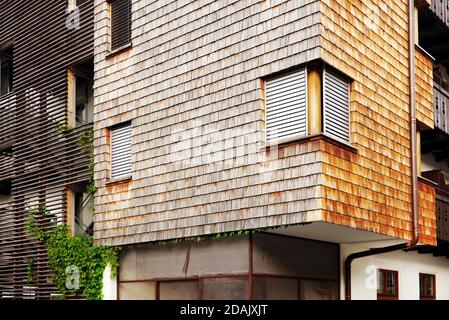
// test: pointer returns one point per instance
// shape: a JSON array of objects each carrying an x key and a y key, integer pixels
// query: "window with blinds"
[
  {"x": 336, "y": 117},
  {"x": 120, "y": 23},
  {"x": 286, "y": 106},
  {"x": 120, "y": 151}
]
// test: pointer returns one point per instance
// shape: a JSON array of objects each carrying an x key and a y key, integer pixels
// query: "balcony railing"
[
  {"x": 441, "y": 103},
  {"x": 441, "y": 9}
]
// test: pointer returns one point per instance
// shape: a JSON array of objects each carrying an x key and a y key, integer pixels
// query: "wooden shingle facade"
[{"x": 191, "y": 85}]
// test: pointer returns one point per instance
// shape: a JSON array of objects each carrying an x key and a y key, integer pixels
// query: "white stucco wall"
[
  {"x": 109, "y": 285},
  {"x": 408, "y": 265}
]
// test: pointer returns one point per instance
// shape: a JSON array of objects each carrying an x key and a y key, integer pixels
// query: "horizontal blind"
[
  {"x": 286, "y": 106},
  {"x": 120, "y": 23},
  {"x": 336, "y": 106},
  {"x": 121, "y": 152}
]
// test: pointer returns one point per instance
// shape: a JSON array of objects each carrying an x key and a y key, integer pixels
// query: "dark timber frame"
[{"x": 44, "y": 162}]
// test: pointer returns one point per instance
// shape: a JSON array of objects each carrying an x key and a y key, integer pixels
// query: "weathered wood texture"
[
  {"x": 428, "y": 213},
  {"x": 371, "y": 189},
  {"x": 193, "y": 74},
  {"x": 424, "y": 89},
  {"x": 195, "y": 66}
]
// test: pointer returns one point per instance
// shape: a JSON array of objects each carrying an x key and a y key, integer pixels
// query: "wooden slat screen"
[
  {"x": 286, "y": 106},
  {"x": 120, "y": 23},
  {"x": 43, "y": 163}
]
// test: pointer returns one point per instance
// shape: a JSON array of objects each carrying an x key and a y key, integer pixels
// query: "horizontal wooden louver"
[
  {"x": 286, "y": 106},
  {"x": 121, "y": 152},
  {"x": 120, "y": 23},
  {"x": 336, "y": 106}
]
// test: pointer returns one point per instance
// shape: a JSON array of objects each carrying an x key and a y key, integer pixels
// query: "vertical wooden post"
[
  {"x": 314, "y": 101},
  {"x": 71, "y": 98},
  {"x": 70, "y": 211},
  {"x": 416, "y": 26},
  {"x": 418, "y": 152}
]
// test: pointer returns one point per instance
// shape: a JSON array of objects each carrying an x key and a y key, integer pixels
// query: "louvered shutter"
[
  {"x": 121, "y": 152},
  {"x": 120, "y": 23},
  {"x": 286, "y": 106},
  {"x": 336, "y": 106}
]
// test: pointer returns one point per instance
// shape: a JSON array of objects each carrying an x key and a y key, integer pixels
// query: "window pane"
[
  {"x": 430, "y": 285},
  {"x": 225, "y": 289},
  {"x": 318, "y": 290},
  {"x": 137, "y": 291},
  {"x": 178, "y": 290},
  {"x": 275, "y": 288},
  {"x": 391, "y": 284},
  {"x": 427, "y": 285},
  {"x": 380, "y": 283},
  {"x": 387, "y": 284}
]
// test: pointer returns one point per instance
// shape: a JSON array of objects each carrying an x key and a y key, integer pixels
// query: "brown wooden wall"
[
  {"x": 203, "y": 69},
  {"x": 424, "y": 89},
  {"x": 370, "y": 187}
]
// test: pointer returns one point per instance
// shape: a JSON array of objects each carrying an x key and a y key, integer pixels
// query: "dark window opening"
[
  {"x": 120, "y": 23},
  {"x": 83, "y": 209},
  {"x": 5, "y": 188},
  {"x": 387, "y": 287},
  {"x": 6, "y": 74},
  {"x": 427, "y": 286},
  {"x": 84, "y": 93}
]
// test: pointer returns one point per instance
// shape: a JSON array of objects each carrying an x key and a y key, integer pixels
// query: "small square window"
[
  {"x": 121, "y": 151},
  {"x": 427, "y": 286},
  {"x": 387, "y": 288}
]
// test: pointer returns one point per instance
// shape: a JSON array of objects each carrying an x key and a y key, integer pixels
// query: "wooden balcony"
[
  {"x": 442, "y": 202},
  {"x": 434, "y": 30},
  {"x": 441, "y": 104},
  {"x": 441, "y": 9}
]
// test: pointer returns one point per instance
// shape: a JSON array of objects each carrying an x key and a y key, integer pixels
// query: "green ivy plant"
[
  {"x": 216, "y": 236},
  {"x": 86, "y": 143},
  {"x": 65, "y": 251},
  {"x": 64, "y": 128},
  {"x": 29, "y": 271}
]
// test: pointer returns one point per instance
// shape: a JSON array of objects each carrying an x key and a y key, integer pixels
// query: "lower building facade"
[{"x": 279, "y": 264}]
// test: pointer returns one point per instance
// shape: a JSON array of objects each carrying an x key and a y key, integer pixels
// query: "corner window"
[
  {"x": 336, "y": 105},
  {"x": 6, "y": 72},
  {"x": 286, "y": 106},
  {"x": 120, "y": 23},
  {"x": 387, "y": 285},
  {"x": 120, "y": 151},
  {"x": 427, "y": 286},
  {"x": 307, "y": 101}
]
